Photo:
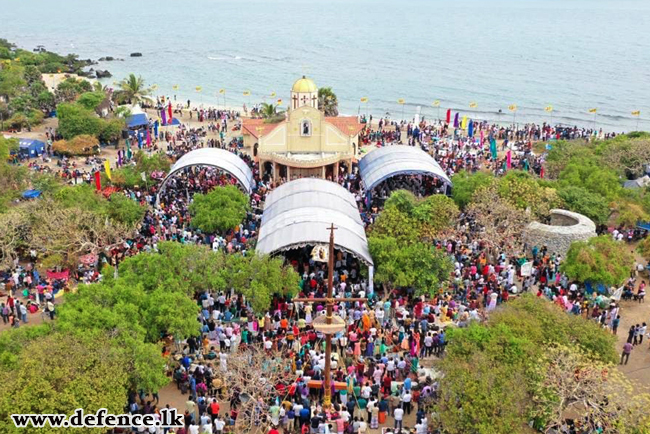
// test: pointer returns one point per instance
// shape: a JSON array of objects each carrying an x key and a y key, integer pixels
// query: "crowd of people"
[{"x": 380, "y": 360}]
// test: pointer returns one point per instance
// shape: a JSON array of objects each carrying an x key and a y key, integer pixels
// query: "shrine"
[{"x": 306, "y": 143}]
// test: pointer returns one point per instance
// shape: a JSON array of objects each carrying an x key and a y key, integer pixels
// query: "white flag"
[{"x": 143, "y": 175}]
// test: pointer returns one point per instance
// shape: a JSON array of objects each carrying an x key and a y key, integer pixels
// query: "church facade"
[{"x": 306, "y": 143}]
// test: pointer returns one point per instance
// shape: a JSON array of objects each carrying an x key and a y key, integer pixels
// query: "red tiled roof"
[
  {"x": 346, "y": 124},
  {"x": 257, "y": 127}
]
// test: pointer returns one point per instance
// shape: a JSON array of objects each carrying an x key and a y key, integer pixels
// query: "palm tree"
[
  {"x": 268, "y": 110},
  {"x": 327, "y": 101},
  {"x": 132, "y": 90}
]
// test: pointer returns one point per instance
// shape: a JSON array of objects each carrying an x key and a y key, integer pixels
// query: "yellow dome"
[{"x": 304, "y": 85}]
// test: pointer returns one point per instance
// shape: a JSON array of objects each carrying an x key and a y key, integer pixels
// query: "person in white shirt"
[
  {"x": 218, "y": 426},
  {"x": 398, "y": 414},
  {"x": 194, "y": 429}
]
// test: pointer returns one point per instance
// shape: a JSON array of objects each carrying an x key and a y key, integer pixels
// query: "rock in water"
[
  {"x": 136, "y": 54},
  {"x": 103, "y": 74}
]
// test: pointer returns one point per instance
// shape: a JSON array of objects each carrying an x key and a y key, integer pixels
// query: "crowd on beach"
[{"x": 380, "y": 360}]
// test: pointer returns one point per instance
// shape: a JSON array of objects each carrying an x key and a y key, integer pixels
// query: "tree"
[
  {"x": 58, "y": 374},
  {"x": 328, "y": 102},
  {"x": 91, "y": 100},
  {"x": 75, "y": 120},
  {"x": 573, "y": 383},
  {"x": 522, "y": 190},
  {"x": 502, "y": 224},
  {"x": 132, "y": 90},
  {"x": 599, "y": 260},
  {"x": 123, "y": 209},
  {"x": 259, "y": 278},
  {"x": 268, "y": 110},
  {"x": 582, "y": 201},
  {"x": 590, "y": 174},
  {"x": 480, "y": 396},
  {"x": 408, "y": 218},
  {"x": 220, "y": 210},
  {"x": 46, "y": 101},
  {"x": 111, "y": 130},
  {"x": 257, "y": 375},
  {"x": 409, "y": 265},
  {"x": 12, "y": 178},
  {"x": 70, "y": 89},
  {"x": 494, "y": 374},
  {"x": 466, "y": 184},
  {"x": 12, "y": 82}
]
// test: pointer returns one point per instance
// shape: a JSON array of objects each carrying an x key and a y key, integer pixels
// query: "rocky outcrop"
[
  {"x": 136, "y": 54},
  {"x": 103, "y": 74},
  {"x": 565, "y": 228}
]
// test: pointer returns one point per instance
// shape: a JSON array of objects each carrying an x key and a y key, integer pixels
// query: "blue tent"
[
  {"x": 31, "y": 147},
  {"x": 31, "y": 194},
  {"x": 174, "y": 122},
  {"x": 137, "y": 120}
]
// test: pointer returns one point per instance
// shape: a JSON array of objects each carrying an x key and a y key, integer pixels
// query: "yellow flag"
[
  {"x": 364, "y": 99},
  {"x": 512, "y": 107},
  {"x": 436, "y": 103},
  {"x": 175, "y": 87},
  {"x": 247, "y": 93},
  {"x": 593, "y": 110},
  {"x": 107, "y": 168},
  {"x": 279, "y": 102},
  {"x": 463, "y": 125},
  {"x": 548, "y": 108},
  {"x": 272, "y": 94},
  {"x": 222, "y": 91},
  {"x": 401, "y": 101},
  {"x": 636, "y": 113},
  {"x": 473, "y": 105},
  {"x": 198, "y": 88}
]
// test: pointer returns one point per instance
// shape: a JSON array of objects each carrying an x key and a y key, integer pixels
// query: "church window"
[{"x": 305, "y": 128}]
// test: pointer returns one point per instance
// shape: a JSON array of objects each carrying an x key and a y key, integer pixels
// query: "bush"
[
  {"x": 81, "y": 145},
  {"x": 582, "y": 201},
  {"x": 75, "y": 120}
]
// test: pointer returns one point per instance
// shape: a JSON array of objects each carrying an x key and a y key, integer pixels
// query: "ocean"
[{"x": 573, "y": 55}]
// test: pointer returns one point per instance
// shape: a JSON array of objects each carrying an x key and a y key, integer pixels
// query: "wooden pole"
[{"x": 327, "y": 395}]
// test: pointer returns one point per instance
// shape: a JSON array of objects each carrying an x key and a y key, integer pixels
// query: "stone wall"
[{"x": 565, "y": 227}]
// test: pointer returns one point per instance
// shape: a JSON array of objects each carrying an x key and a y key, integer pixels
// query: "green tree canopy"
[
  {"x": 75, "y": 120},
  {"x": 582, "y": 201},
  {"x": 599, "y": 260},
  {"x": 132, "y": 90},
  {"x": 409, "y": 265},
  {"x": 466, "y": 184},
  {"x": 494, "y": 368},
  {"x": 220, "y": 210},
  {"x": 60, "y": 373},
  {"x": 91, "y": 100}
]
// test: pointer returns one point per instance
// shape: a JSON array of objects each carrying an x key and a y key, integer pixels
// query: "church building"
[{"x": 305, "y": 143}]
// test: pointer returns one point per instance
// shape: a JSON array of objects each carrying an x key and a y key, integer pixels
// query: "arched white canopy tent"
[
  {"x": 214, "y": 157},
  {"x": 298, "y": 213},
  {"x": 383, "y": 163}
]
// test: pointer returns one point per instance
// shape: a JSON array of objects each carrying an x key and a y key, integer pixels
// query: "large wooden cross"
[{"x": 329, "y": 303}]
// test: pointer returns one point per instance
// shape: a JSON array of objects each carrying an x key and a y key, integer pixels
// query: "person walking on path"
[{"x": 627, "y": 349}]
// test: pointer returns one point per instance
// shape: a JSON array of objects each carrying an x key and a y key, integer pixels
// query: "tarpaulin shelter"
[
  {"x": 31, "y": 147},
  {"x": 214, "y": 157},
  {"x": 137, "y": 120},
  {"x": 386, "y": 162},
  {"x": 31, "y": 194},
  {"x": 297, "y": 214}
]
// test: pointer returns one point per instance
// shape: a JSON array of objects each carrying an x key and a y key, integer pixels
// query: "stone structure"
[
  {"x": 565, "y": 227},
  {"x": 306, "y": 143}
]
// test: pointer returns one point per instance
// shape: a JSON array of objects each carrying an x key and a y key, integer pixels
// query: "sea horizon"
[{"x": 569, "y": 54}]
